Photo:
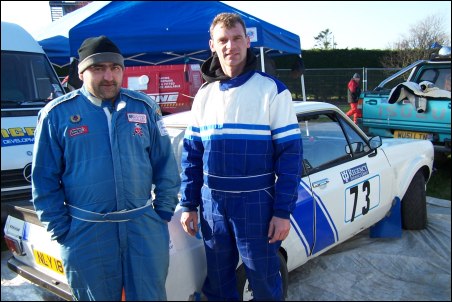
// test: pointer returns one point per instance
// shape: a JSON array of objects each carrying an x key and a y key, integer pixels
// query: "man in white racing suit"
[{"x": 241, "y": 164}]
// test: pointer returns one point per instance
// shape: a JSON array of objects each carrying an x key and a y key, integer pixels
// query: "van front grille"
[{"x": 16, "y": 178}]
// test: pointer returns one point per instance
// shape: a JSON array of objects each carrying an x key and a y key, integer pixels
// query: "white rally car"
[{"x": 350, "y": 183}]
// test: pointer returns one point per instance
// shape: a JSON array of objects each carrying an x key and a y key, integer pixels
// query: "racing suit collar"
[
  {"x": 211, "y": 68},
  {"x": 96, "y": 101}
]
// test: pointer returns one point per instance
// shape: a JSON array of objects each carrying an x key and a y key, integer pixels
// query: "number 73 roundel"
[{"x": 361, "y": 198}]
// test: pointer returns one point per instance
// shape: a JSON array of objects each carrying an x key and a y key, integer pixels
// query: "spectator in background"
[{"x": 353, "y": 92}]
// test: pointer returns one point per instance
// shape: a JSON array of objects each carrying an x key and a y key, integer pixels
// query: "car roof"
[
  {"x": 180, "y": 119},
  {"x": 177, "y": 120},
  {"x": 304, "y": 107}
]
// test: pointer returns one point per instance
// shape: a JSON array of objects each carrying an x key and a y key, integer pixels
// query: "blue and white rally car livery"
[{"x": 350, "y": 183}]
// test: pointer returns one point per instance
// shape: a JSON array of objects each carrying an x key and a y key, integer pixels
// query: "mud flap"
[{"x": 391, "y": 225}]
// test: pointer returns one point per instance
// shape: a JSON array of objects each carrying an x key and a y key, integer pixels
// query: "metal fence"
[{"x": 330, "y": 84}]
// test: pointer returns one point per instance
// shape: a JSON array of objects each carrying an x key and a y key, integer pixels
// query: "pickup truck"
[{"x": 402, "y": 119}]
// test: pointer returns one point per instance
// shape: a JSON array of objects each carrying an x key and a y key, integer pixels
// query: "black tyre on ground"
[
  {"x": 414, "y": 204},
  {"x": 244, "y": 288}
]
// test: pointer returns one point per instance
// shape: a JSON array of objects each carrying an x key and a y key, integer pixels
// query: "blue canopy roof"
[{"x": 155, "y": 32}]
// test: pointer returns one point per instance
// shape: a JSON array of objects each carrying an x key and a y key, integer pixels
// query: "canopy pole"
[
  {"x": 262, "y": 59},
  {"x": 302, "y": 87},
  {"x": 303, "y": 91}
]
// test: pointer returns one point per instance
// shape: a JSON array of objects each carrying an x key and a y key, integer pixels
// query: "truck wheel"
[
  {"x": 243, "y": 285},
  {"x": 414, "y": 204}
]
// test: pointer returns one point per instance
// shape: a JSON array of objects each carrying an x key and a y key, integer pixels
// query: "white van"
[{"x": 28, "y": 83}]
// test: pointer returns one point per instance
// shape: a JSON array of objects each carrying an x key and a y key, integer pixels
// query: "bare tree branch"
[{"x": 417, "y": 44}]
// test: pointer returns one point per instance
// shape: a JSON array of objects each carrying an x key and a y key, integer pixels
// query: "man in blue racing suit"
[
  {"x": 241, "y": 164},
  {"x": 99, "y": 153}
]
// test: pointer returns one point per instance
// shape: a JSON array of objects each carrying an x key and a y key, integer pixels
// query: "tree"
[
  {"x": 417, "y": 45},
  {"x": 325, "y": 40}
]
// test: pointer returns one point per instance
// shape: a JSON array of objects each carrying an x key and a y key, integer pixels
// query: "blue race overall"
[{"x": 94, "y": 168}]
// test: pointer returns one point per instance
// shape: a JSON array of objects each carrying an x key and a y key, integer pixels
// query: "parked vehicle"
[
  {"x": 28, "y": 83},
  {"x": 173, "y": 87},
  {"x": 403, "y": 119},
  {"x": 350, "y": 183}
]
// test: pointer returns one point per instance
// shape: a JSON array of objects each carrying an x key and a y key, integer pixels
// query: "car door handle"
[
  {"x": 319, "y": 183},
  {"x": 372, "y": 102}
]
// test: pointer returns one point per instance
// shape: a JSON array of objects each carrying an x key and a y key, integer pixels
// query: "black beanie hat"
[{"x": 98, "y": 50}]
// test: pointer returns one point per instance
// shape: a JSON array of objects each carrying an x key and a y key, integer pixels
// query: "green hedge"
[{"x": 335, "y": 58}]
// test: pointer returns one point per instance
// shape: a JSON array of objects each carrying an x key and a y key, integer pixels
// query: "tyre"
[
  {"x": 244, "y": 288},
  {"x": 414, "y": 204}
]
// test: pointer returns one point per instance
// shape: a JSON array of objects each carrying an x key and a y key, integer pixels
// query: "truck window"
[
  {"x": 19, "y": 69},
  {"x": 447, "y": 82},
  {"x": 439, "y": 77},
  {"x": 443, "y": 81},
  {"x": 429, "y": 75}
]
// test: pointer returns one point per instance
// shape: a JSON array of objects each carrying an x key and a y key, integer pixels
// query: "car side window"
[
  {"x": 358, "y": 145},
  {"x": 323, "y": 142},
  {"x": 328, "y": 140}
]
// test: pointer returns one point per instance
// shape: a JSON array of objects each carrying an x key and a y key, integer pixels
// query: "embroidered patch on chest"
[
  {"x": 137, "y": 118},
  {"x": 137, "y": 130},
  {"x": 77, "y": 131},
  {"x": 75, "y": 118}
]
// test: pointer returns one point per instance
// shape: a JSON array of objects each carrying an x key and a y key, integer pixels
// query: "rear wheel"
[
  {"x": 414, "y": 204},
  {"x": 243, "y": 285}
]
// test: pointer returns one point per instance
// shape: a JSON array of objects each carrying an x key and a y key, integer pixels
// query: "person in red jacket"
[{"x": 353, "y": 92}]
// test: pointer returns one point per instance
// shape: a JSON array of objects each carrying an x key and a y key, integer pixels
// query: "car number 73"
[{"x": 362, "y": 198}]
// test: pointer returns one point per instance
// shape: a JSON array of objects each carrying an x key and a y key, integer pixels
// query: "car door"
[{"x": 351, "y": 184}]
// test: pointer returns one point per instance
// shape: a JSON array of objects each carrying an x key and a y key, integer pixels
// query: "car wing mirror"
[{"x": 375, "y": 142}]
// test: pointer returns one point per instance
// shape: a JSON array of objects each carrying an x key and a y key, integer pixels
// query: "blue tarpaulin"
[{"x": 155, "y": 32}]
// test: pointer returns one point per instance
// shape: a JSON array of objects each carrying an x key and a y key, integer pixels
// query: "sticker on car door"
[{"x": 362, "y": 197}]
